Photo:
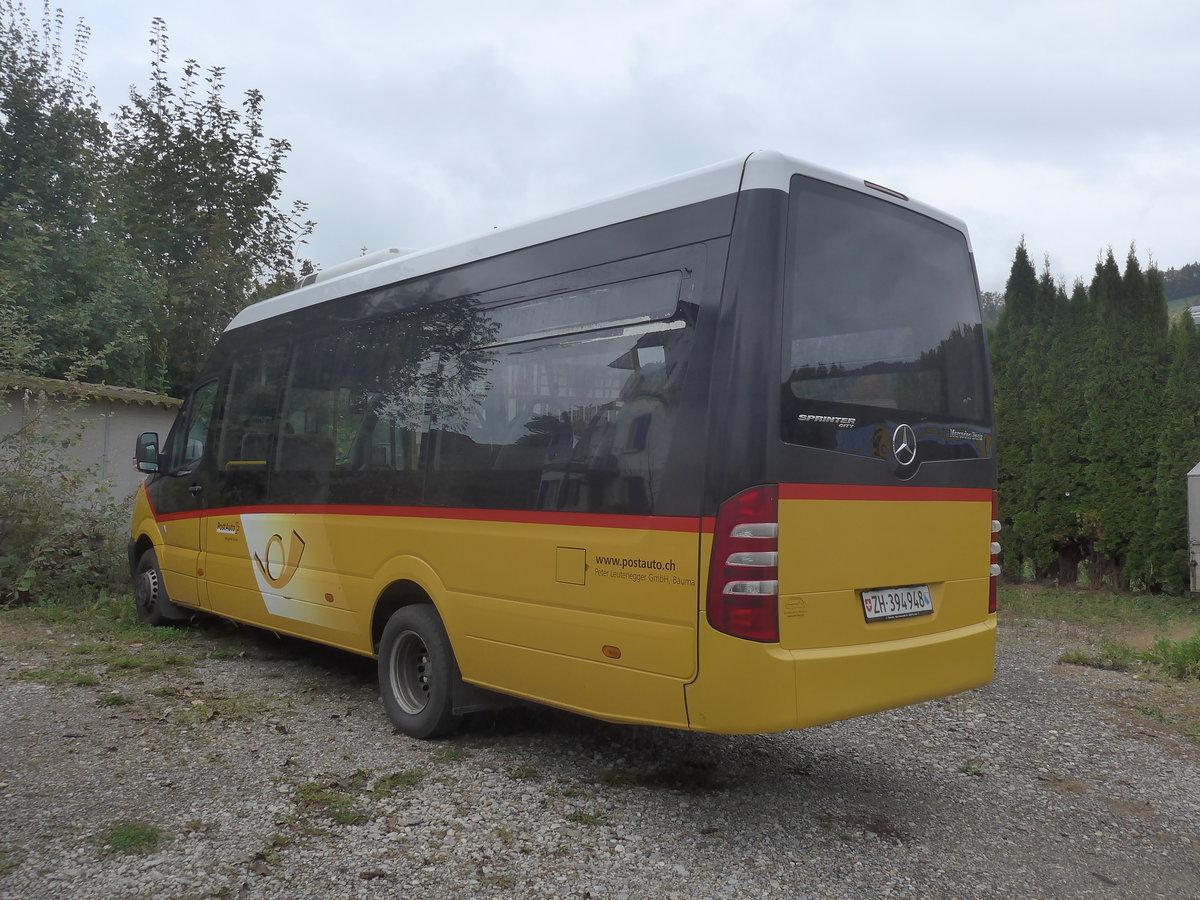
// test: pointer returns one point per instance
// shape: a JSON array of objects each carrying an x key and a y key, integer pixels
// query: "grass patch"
[
  {"x": 1180, "y": 659},
  {"x": 450, "y": 753},
  {"x": 1110, "y": 656},
  {"x": 1098, "y": 608},
  {"x": 522, "y": 772},
  {"x": 10, "y": 859},
  {"x": 57, "y": 676},
  {"x": 115, "y": 699},
  {"x": 331, "y": 800},
  {"x": 397, "y": 781},
  {"x": 218, "y": 706},
  {"x": 585, "y": 818},
  {"x": 130, "y": 838}
]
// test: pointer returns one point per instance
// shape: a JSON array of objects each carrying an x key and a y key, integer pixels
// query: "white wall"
[{"x": 107, "y": 427}]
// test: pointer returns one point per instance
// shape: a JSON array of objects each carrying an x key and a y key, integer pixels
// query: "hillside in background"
[{"x": 1179, "y": 284}]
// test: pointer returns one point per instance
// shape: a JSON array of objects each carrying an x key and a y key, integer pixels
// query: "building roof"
[{"x": 15, "y": 381}]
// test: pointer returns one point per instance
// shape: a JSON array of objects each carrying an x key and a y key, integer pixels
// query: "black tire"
[
  {"x": 154, "y": 607},
  {"x": 418, "y": 673}
]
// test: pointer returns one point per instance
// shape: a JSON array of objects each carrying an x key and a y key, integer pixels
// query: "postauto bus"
[{"x": 717, "y": 454}]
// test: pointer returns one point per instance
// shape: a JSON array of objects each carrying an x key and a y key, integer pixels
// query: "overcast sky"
[{"x": 1073, "y": 124}]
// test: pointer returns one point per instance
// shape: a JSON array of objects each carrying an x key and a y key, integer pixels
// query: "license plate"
[{"x": 897, "y": 602}]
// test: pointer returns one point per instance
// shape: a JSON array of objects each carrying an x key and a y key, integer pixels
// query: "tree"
[
  {"x": 59, "y": 274},
  {"x": 1178, "y": 450},
  {"x": 196, "y": 195},
  {"x": 1012, "y": 346}
]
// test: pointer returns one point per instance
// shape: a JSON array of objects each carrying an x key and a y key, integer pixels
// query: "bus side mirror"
[{"x": 145, "y": 454}]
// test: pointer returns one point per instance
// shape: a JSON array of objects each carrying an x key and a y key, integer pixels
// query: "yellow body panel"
[
  {"x": 609, "y": 620},
  {"x": 597, "y": 619},
  {"x": 832, "y": 550},
  {"x": 831, "y": 663}
]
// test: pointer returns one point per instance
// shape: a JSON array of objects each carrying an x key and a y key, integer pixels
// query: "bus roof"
[{"x": 760, "y": 170}]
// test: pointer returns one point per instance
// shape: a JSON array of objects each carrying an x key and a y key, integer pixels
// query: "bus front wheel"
[
  {"x": 154, "y": 607},
  {"x": 418, "y": 673}
]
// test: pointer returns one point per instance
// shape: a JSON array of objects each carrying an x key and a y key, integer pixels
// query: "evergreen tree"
[
  {"x": 1178, "y": 451},
  {"x": 1010, "y": 347}
]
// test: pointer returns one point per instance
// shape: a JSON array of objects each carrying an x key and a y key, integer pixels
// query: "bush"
[
  {"x": 1180, "y": 658},
  {"x": 59, "y": 536}
]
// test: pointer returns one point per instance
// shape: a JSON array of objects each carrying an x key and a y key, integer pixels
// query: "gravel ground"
[{"x": 272, "y": 772}]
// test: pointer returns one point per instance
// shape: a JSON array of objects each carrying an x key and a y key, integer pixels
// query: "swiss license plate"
[{"x": 897, "y": 602}]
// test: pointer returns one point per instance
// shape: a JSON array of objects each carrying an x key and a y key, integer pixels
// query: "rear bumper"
[{"x": 747, "y": 688}]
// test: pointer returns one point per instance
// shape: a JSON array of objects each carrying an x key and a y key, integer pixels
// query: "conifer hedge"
[{"x": 1097, "y": 396}]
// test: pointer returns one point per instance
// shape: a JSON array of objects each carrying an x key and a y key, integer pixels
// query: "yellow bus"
[{"x": 717, "y": 455}]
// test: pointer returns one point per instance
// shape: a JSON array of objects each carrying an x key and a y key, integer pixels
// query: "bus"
[{"x": 717, "y": 454}]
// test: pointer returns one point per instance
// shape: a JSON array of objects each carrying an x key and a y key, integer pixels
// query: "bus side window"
[
  {"x": 190, "y": 433},
  {"x": 581, "y": 425},
  {"x": 199, "y": 422},
  {"x": 251, "y": 411}
]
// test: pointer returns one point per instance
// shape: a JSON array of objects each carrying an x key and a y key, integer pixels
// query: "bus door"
[{"x": 180, "y": 498}]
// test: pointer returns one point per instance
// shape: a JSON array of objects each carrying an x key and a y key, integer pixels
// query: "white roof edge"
[{"x": 763, "y": 169}]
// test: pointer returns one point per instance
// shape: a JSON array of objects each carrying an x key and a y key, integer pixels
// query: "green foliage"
[
  {"x": 1182, "y": 282},
  {"x": 196, "y": 185},
  {"x": 58, "y": 536},
  {"x": 1181, "y": 659},
  {"x": 1096, "y": 408},
  {"x": 125, "y": 248},
  {"x": 129, "y": 838}
]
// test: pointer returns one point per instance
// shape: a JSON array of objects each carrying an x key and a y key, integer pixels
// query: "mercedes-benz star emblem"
[{"x": 904, "y": 445}]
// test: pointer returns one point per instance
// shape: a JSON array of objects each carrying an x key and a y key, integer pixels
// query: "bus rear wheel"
[
  {"x": 154, "y": 607},
  {"x": 418, "y": 673}
]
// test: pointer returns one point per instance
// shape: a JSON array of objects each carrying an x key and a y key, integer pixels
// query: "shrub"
[
  {"x": 1180, "y": 658},
  {"x": 59, "y": 536}
]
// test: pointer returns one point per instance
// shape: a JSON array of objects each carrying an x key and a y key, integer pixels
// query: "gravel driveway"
[{"x": 270, "y": 770}]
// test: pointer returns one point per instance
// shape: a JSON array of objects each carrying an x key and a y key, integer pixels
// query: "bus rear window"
[{"x": 881, "y": 322}]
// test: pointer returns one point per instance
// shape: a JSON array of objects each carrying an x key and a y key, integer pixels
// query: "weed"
[
  {"x": 504, "y": 836},
  {"x": 213, "y": 706},
  {"x": 971, "y": 768},
  {"x": 522, "y": 772},
  {"x": 1110, "y": 656},
  {"x": 1180, "y": 659},
  {"x": 115, "y": 699},
  {"x": 86, "y": 649},
  {"x": 129, "y": 838},
  {"x": 331, "y": 800},
  {"x": 450, "y": 754},
  {"x": 397, "y": 781},
  {"x": 167, "y": 690},
  {"x": 56, "y": 676},
  {"x": 1154, "y": 714},
  {"x": 585, "y": 818}
]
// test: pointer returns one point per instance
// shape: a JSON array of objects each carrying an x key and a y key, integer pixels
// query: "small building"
[{"x": 102, "y": 421}]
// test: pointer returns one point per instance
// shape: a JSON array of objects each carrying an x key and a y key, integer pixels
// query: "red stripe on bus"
[
  {"x": 684, "y": 524},
  {"x": 882, "y": 492}
]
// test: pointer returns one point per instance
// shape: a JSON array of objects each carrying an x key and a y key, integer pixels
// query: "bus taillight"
[
  {"x": 743, "y": 580},
  {"x": 994, "y": 571}
]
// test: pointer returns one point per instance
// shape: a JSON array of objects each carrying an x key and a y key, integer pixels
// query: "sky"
[{"x": 1071, "y": 124}]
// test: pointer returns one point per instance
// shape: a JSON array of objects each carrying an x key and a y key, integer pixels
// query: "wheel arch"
[{"x": 396, "y": 595}]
